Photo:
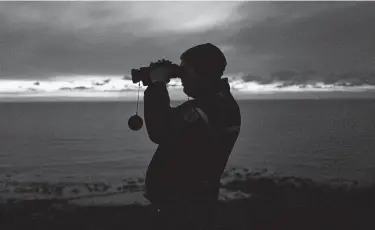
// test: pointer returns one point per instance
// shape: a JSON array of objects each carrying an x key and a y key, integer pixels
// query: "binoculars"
[
  {"x": 135, "y": 122},
  {"x": 143, "y": 73}
]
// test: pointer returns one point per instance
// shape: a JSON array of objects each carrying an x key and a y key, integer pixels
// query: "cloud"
[
  {"x": 256, "y": 78},
  {"x": 310, "y": 77},
  {"x": 287, "y": 77},
  {"x": 74, "y": 88},
  {"x": 321, "y": 36},
  {"x": 351, "y": 78},
  {"x": 44, "y": 39},
  {"x": 282, "y": 45},
  {"x": 66, "y": 89},
  {"x": 106, "y": 81}
]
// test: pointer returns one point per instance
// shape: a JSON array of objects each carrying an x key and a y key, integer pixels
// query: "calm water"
[{"x": 90, "y": 141}]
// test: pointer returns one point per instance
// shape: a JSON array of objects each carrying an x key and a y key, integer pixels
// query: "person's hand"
[{"x": 161, "y": 74}]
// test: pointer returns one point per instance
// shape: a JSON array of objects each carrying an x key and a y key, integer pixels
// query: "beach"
[{"x": 274, "y": 203}]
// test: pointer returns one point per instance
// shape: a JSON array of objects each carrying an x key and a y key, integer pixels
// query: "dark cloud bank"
[
  {"x": 292, "y": 42},
  {"x": 310, "y": 77}
]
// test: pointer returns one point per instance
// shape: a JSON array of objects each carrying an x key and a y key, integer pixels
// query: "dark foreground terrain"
[{"x": 284, "y": 203}]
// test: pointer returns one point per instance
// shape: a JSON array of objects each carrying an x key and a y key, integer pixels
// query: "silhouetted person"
[{"x": 195, "y": 139}]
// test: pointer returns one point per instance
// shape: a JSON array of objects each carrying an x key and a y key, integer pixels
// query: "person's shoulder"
[
  {"x": 191, "y": 111},
  {"x": 187, "y": 104}
]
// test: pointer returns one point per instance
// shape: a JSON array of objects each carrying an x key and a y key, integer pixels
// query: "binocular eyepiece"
[{"x": 143, "y": 73}]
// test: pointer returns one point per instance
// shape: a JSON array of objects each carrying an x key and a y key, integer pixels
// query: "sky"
[{"x": 273, "y": 49}]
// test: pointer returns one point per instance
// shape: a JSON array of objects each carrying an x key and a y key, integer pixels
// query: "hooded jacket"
[{"x": 194, "y": 141}]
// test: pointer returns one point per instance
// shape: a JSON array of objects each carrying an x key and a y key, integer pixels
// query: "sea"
[{"x": 83, "y": 144}]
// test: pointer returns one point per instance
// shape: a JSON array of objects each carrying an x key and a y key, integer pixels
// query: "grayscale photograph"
[{"x": 187, "y": 115}]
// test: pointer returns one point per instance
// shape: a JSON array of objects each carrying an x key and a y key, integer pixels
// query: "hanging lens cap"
[{"x": 135, "y": 122}]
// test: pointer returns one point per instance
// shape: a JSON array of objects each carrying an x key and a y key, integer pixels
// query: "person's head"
[{"x": 202, "y": 67}]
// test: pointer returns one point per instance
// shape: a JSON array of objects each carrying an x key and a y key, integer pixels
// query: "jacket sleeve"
[
  {"x": 162, "y": 121},
  {"x": 156, "y": 109}
]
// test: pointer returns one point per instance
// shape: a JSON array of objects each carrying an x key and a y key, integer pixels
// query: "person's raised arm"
[
  {"x": 156, "y": 111},
  {"x": 162, "y": 121}
]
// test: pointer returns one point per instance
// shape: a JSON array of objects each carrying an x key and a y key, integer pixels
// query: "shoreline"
[
  {"x": 252, "y": 213},
  {"x": 274, "y": 203},
  {"x": 236, "y": 183}
]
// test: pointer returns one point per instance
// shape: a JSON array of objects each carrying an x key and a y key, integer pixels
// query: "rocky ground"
[{"x": 275, "y": 203}]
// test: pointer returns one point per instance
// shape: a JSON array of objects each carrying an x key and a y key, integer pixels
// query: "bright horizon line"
[
  {"x": 117, "y": 88},
  {"x": 97, "y": 83}
]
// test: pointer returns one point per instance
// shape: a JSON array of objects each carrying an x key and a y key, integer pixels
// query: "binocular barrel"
[{"x": 143, "y": 73}]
